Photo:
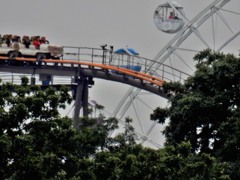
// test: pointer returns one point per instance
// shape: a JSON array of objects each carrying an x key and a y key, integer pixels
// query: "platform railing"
[{"x": 108, "y": 57}]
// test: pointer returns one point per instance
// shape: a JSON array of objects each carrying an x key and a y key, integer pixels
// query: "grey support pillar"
[
  {"x": 80, "y": 101},
  {"x": 85, "y": 99}
]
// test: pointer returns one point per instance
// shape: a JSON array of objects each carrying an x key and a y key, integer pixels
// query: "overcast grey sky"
[
  {"x": 90, "y": 23},
  {"x": 93, "y": 22}
]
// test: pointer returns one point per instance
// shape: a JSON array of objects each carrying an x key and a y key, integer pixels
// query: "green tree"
[
  {"x": 36, "y": 142},
  {"x": 205, "y": 109}
]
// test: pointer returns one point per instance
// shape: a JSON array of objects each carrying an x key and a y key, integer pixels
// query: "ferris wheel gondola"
[{"x": 167, "y": 17}]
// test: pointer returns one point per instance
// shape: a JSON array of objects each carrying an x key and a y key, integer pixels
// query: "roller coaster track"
[
  {"x": 151, "y": 79},
  {"x": 101, "y": 68}
]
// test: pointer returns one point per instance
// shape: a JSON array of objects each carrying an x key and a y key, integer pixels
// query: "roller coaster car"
[{"x": 45, "y": 51}]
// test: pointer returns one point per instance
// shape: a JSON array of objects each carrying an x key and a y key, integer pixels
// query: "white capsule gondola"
[{"x": 167, "y": 19}]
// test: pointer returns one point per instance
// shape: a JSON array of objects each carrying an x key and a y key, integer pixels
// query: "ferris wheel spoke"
[
  {"x": 128, "y": 104},
  {"x": 224, "y": 20},
  {"x": 137, "y": 116},
  {"x": 229, "y": 40},
  {"x": 180, "y": 57},
  {"x": 123, "y": 100}
]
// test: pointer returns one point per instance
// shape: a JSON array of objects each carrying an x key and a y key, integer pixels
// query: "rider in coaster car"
[{"x": 36, "y": 42}]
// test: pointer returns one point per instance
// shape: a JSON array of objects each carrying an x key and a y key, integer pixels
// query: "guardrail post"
[
  {"x": 104, "y": 52},
  {"x": 111, "y": 56},
  {"x": 78, "y": 54}
]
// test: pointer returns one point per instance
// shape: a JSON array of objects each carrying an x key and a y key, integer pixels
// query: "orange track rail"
[{"x": 140, "y": 75}]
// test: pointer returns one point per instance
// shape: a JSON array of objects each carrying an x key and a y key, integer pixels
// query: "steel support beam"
[{"x": 81, "y": 101}]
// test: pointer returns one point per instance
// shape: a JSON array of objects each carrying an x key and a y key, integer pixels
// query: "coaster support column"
[{"x": 81, "y": 101}]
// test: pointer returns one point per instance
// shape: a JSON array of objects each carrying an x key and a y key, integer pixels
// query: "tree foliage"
[
  {"x": 205, "y": 109},
  {"x": 202, "y": 135}
]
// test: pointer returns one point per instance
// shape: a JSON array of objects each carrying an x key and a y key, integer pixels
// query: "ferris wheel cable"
[
  {"x": 144, "y": 93},
  {"x": 198, "y": 34},
  {"x": 127, "y": 105},
  {"x": 132, "y": 96},
  {"x": 213, "y": 32},
  {"x": 139, "y": 121},
  {"x": 155, "y": 144},
  {"x": 169, "y": 51},
  {"x": 144, "y": 103},
  {"x": 151, "y": 128},
  {"x": 180, "y": 57},
  {"x": 123, "y": 100},
  {"x": 143, "y": 136},
  {"x": 170, "y": 61},
  {"x": 224, "y": 21},
  {"x": 233, "y": 12},
  {"x": 229, "y": 40},
  {"x": 146, "y": 139},
  {"x": 185, "y": 49}
]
